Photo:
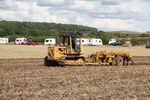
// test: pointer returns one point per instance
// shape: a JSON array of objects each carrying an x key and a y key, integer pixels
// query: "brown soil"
[
  {"x": 141, "y": 60},
  {"x": 22, "y": 79}
]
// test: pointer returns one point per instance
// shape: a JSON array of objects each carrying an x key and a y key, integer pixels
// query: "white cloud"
[
  {"x": 109, "y": 24},
  {"x": 4, "y": 15},
  {"x": 50, "y": 2},
  {"x": 83, "y": 5},
  {"x": 107, "y": 15},
  {"x": 8, "y": 4}
]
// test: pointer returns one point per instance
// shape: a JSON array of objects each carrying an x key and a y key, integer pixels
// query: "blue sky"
[{"x": 106, "y": 15}]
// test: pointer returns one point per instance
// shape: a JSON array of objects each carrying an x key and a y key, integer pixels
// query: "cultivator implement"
[{"x": 109, "y": 58}]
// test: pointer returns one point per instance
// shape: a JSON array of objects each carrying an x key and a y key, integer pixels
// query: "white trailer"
[
  {"x": 112, "y": 41},
  {"x": 99, "y": 42},
  {"x": 94, "y": 42},
  {"x": 50, "y": 41},
  {"x": 4, "y": 40},
  {"x": 20, "y": 40},
  {"x": 91, "y": 41}
]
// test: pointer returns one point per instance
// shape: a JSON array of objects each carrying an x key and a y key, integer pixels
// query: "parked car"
[
  {"x": 30, "y": 43},
  {"x": 116, "y": 44},
  {"x": 147, "y": 46}
]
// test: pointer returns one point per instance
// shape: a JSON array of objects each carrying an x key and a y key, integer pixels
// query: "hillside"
[
  {"x": 9, "y": 28},
  {"x": 129, "y": 32}
]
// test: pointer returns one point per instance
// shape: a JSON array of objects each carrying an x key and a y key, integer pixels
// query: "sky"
[{"x": 106, "y": 15}]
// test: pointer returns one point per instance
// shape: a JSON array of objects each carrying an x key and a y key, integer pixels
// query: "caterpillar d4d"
[{"x": 69, "y": 52}]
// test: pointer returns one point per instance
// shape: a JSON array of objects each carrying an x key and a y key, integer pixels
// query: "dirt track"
[
  {"x": 29, "y": 79},
  {"x": 141, "y": 60}
]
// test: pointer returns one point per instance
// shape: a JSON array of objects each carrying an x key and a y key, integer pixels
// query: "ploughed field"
[
  {"x": 23, "y": 76},
  {"x": 29, "y": 79}
]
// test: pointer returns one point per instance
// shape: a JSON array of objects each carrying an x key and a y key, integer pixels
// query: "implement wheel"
[
  {"x": 118, "y": 61},
  {"x": 128, "y": 62}
]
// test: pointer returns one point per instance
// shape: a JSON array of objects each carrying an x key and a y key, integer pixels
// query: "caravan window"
[
  {"x": 89, "y": 40},
  {"x": 99, "y": 41},
  {"x": 47, "y": 40},
  {"x": 82, "y": 40},
  {"x": 50, "y": 40}
]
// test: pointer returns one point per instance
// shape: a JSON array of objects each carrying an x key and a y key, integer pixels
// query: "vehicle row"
[
  {"x": 24, "y": 41},
  {"x": 52, "y": 41}
]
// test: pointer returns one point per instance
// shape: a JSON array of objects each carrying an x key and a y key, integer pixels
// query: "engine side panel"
[{"x": 56, "y": 52}]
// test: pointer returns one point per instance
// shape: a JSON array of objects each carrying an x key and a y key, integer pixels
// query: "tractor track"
[
  {"x": 138, "y": 60},
  {"x": 141, "y": 60}
]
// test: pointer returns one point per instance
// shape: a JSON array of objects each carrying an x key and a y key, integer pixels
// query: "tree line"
[{"x": 40, "y": 28}]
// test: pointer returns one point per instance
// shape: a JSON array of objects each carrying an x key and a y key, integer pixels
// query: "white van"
[
  {"x": 4, "y": 40},
  {"x": 50, "y": 41},
  {"x": 20, "y": 40},
  {"x": 112, "y": 41}
]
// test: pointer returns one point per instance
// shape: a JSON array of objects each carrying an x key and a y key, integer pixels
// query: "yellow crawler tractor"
[{"x": 69, "y": 52}]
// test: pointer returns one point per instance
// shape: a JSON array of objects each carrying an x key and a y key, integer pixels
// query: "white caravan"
[
  {"x": 91, "y": 41},
  {"x": 94, "y": 42},
  {"x": 4, "y": 40},
  {"x": 112, "y": 41},
  {"x": 50, "y": 41},
  {"x": 20, "y": 40}
]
